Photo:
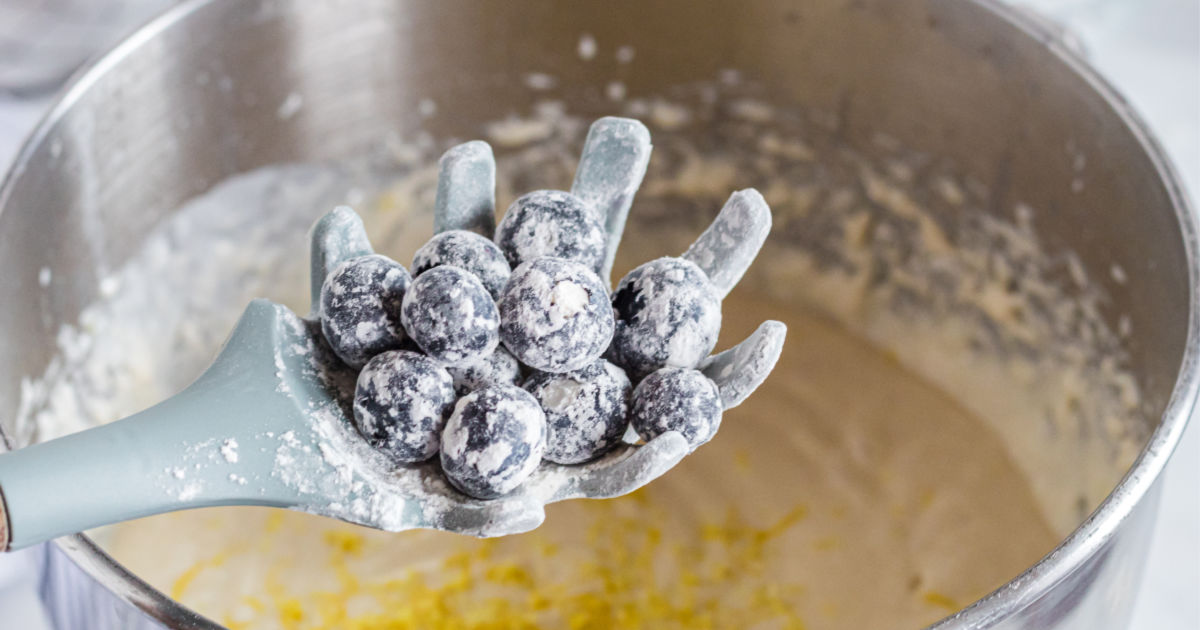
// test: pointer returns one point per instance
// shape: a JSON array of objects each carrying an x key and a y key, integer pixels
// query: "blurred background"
[{"x": 1149, "y": 49}]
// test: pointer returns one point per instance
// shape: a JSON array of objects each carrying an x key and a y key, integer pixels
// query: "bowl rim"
[
  {"x": 1085, "y": 541},
  {"x": 1091, "y": 536}
]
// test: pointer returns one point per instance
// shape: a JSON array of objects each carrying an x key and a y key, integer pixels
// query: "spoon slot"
[
  {"x": 336, "y": 237},
  {"x": 739, "y": 370},
  {"x": 611, "y": 167},
  {"x": 466, "y": 190},
  {"x": 725, "y": 250}
]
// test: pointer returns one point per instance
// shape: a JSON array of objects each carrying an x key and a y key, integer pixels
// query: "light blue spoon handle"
[{"x": 213, "y": 444}]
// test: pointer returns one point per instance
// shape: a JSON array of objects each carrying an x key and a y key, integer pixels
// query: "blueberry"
[
  {"x": 556, "y": 315},
  {"x": 551, "y": 223},
  {"x": 668, "y": 314},
  {"x": 499, "y": 367},
  {"x": 451, "y": 316},
  {"x": 401, "y": 402},
  {"x": 585, "y": 410},
  {"x": 360, "y": 307},
  {"x": 465, "y": 250},
  {"x": 676, "y": 399},
  {"x": 493, "y": 441}
]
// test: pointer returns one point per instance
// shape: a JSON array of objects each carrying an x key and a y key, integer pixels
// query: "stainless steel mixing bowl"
[{"x": 193, "y": 98}]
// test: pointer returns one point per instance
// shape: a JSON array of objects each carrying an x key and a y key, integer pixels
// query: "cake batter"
[{"x": 847, "y": 493}]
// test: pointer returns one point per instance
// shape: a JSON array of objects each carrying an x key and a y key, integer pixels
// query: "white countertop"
[{"x": 1151, "y": 51}]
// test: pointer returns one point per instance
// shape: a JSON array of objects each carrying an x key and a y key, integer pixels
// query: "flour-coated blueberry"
[
  {"x": 401, "y": 403},
  {"x": 493, "y": 441},
  {"x": 465, "y": 250},
  {"x": 360, "y": 308},
  {"x": 585, "y": 410},
  {"x": 668, "y": 315},
  {"x": 676, "y": 399},
  {"x": 555, "y": 224},
  {"x": 450, "y": 314},
  {"x": 556, "y": 315},
  {"x": 498, "y": 368}
]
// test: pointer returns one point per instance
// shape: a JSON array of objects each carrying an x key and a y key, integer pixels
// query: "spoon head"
[
  {"x": 330, "y": 469},
  {"x": 326, "y": 467}
]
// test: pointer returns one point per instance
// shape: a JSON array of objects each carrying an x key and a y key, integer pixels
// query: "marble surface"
[{"x": 1150, "y": 50}]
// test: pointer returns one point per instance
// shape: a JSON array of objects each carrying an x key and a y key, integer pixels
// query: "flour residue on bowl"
[{"x": 1035, "y": 420}]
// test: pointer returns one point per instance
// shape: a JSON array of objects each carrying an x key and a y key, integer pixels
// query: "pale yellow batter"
[{"x": 847, "y": 493}]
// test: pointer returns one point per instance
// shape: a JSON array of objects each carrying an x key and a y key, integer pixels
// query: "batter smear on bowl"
[{"x": 918, "y": 444}]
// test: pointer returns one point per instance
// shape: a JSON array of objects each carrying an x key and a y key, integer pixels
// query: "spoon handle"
[
  {"x": 100, "y": 476},
  {"x": 213, "y": 444}
]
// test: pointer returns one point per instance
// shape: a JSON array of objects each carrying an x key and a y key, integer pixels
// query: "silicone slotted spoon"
[{"x": 268, "y": 422}]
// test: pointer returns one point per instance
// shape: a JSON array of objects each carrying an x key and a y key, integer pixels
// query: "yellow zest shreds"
[
  {"x": 785, "y": 523},
  {"x": 622, "y": 571},
  {"x": 741, "y": 460},
  {"x": 185, "y": 580},
  {"x": 274, "y": 522},
  {"x": 736, "y": 535},
  {"x": 291, "y": 613},
  {"x": 509, "y": 574},
  {"x": 828, "y": 543},
  {"x": 934, "y": 598},
  {"x": 348, "y": 542}
]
